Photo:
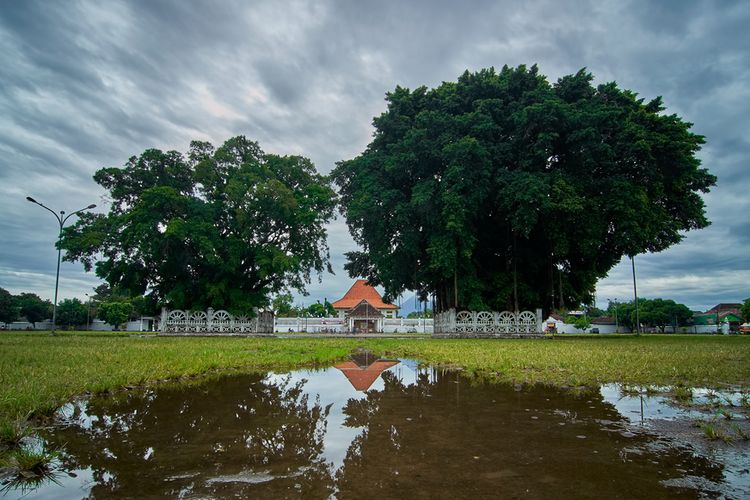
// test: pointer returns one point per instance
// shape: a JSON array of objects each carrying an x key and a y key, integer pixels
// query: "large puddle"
[{"x": 375, "y": 428}]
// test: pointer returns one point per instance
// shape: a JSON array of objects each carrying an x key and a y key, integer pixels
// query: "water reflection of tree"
[
  {"x": 227, "y": 437},
  {"x": 447, "y": 437}
]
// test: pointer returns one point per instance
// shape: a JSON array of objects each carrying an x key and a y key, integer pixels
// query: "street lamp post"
[
  {"x": 635, "y": 294},
  {"x": 88, "y": 312},
  {"x": 61, "y": 220},
  {"x": 614, "y": 308}
]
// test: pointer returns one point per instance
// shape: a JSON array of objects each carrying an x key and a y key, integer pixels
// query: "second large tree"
[{"x": 502, "y": 190}]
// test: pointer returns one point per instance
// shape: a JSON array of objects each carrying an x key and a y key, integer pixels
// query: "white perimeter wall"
[
  {"x": 321, "y": 325},
  {"x": 563, "y": 327}
]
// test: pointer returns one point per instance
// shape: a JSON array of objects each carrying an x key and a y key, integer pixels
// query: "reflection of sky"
[
  {"x": 330, "y": 387},
  {"x": 82, "y": 482},
  {"x": 334, "y": 389},
  {"x": 645, "y": 409},
  {"x": 635, "y": 408}
]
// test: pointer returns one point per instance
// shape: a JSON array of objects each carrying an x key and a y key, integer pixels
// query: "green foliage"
[
  {"x": 624, "y": 312},
  {"x": 580, "y": 322},
  {"x": 104, "y": 292},
  {"x": 71, "y": 312},
  {"x": 282, "y": 305},
  {"x": 319, "y": 310},
  {"x": 654, "y": 313},
  {"x": 145, "y": 305},
  {"x": 583, "y": 323},
  {"x": 661, "y": 313},
  {"x": 501, "y": 182},
  {"x": 33, "y": 308},
  {"x": 9, "y": 309},
  {"x": 420, "y": 314},
  {"x": 745, "y": 310},
  {"x": 220, "y": 228},
  {"x": 593, "y": 311},
  {"x": 115, "y": 313}
]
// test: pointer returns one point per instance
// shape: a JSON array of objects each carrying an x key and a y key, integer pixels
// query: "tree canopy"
[
  {"x": 653, "y": 313},
  {"x": 745, "y": 310},
  {"x": 71, "y": 312},
  {"x": 503, "y": 190},
  {"x": 282, "y": 305},
  {"x": 660, "y": 313},
  {"x": 9, "y": 309},
  {"x": 217, "y": 227},
  {"x": 34, "y": 308},
  {"x": 115, "y": 312},
  {"x": 319, "y": 310}
]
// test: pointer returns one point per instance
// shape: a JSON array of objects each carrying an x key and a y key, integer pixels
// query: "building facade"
[{"x": 363, "y": 310}]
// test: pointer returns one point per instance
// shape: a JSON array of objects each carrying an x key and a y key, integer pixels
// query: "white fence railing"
[
  {"x": 478, "y": 323},
  {"x": 339, "y": 325},
  {"x": 211, "y": 321}
]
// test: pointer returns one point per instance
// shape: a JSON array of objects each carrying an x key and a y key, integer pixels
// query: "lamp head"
[
  {"x": 32, "y": 200},
  {"x": 91, "y": 206}
]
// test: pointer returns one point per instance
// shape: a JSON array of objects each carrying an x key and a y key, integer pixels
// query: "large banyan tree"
[
  {"x": 502, "y": 190},
  {"x": 218, "y": 227}
]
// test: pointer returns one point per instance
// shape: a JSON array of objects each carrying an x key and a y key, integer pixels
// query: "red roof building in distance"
[
  {"x": 720, "y": 308},
  {"x": 362, "y": 290},
  {"x": 363, "y": 308}
]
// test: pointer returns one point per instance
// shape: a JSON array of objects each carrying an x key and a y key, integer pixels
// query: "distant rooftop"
[
  {"x": 724, "y": 307},
  {"x": 361, "y": 290}
]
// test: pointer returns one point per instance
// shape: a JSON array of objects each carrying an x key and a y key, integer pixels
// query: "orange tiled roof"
[{"x": 362, "y": 290}]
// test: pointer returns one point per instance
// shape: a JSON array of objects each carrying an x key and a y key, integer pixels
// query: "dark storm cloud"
[{"x": 87, "y": 84}]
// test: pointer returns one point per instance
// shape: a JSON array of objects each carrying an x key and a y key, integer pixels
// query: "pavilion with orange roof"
[{"x": 363, "y": 308}]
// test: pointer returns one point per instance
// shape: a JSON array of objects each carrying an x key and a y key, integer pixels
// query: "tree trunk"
[
  {"x": 552, "y": 281},
  {"x": 515, "y": 276},
  {"x": 455, "y": 288}
]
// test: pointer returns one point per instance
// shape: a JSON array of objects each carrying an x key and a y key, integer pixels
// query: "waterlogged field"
[
  {"x": 389, "y": 427},
  {"x": 38, "y": 373}
]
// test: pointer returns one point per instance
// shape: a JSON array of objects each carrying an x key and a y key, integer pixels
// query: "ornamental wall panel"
[
  {"x": 214, "y": 322},
  {"x": 487, "y": 323}
]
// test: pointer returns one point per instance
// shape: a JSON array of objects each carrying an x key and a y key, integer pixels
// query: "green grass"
[
  {"x": 716, "y": 430},
  {"x": 38, "y": 373},
  {"x": 13, "y": 432},
  {"x": 682, "y": 394},
  {"x": 35, "y": 461},
  {"x": 712, "y": 430}
]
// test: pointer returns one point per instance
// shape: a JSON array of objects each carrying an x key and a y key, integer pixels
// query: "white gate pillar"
[
  {"x": 163, "y": 319},
  {"x": 539, "y": 321},
  {"x": 210, "y": 319}
]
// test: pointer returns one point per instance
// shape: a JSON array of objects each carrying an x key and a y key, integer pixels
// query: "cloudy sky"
[{"x": 85, "y": 85}]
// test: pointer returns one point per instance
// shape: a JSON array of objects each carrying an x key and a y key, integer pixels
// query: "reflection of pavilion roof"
[
  {"x": 364, "y": 310},
  {"x": 362, "y": 375},
  {"x": 362, "y": 290}
]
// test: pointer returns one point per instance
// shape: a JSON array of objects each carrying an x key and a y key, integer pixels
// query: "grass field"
[{"x": 38, "y": 373}]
